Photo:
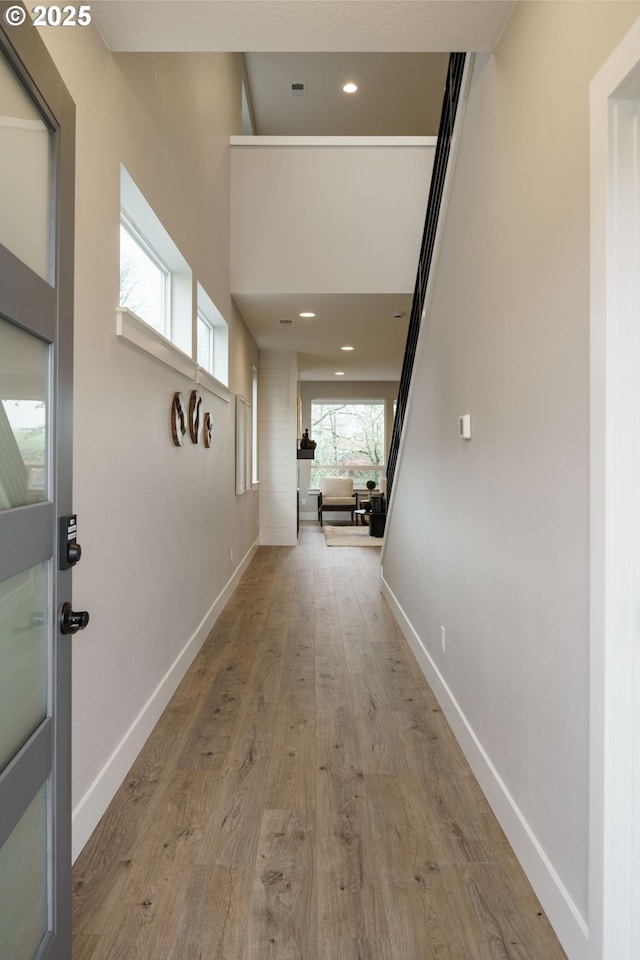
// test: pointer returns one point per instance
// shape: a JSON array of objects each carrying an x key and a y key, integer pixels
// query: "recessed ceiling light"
[
  {"x": 350, "y": 87},
  {"x": 346, "y": 348},
  {"x": 307, "y": 314},
  {"x": 339, "y": 373}
]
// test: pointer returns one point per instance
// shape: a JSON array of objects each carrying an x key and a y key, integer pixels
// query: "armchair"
[{"x": 336, "y": 493}]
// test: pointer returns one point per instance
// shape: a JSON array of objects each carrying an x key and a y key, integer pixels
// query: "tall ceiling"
[
  {"x": 401, "y": 26},
  {"x": 395, "y": 50},
  {"x": 399, "y": 94}
]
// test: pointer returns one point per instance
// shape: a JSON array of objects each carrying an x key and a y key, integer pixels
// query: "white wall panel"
[
  {"x": 336, "y": 217},
  {"x": 277, "y": 387}
]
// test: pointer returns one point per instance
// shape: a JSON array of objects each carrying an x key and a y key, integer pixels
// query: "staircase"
[{"x": 436, "y": 192}]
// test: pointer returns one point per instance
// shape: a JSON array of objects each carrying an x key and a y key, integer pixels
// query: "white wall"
[
  {"x": 498, "y": 550},
  {"x": 331, "y": 214},
  {"x": 157, "y": 523},
  {"x": 277, "y": 381}
]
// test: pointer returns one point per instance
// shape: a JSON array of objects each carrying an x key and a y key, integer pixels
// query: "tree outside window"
[
  {"x": 144, "y": 281},
  {"x": 350, "y": 440}
]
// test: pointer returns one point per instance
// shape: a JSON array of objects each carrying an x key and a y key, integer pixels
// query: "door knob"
[{"x": 72, "y": 620}]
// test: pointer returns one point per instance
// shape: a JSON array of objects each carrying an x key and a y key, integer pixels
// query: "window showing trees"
[
  {"x": 350, "y": 440},
  {"x": 144, "y": 280},
  {"x": 156, "y": 297},
  {"x": 155, "y": 279}
]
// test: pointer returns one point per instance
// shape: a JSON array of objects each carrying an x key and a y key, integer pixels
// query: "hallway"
[{"x": 302, "y": 797}]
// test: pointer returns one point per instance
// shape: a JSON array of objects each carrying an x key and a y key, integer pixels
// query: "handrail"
[{"x": 443, "y": 148}]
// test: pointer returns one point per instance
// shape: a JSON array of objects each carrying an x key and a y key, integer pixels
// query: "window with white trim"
[
  {"x": 205, "y": 342},
  {"x": 155, "y": 279},
  {"x": 145, "y": 282},
  {"x": 350, "y": 438},
  {"x": 212, "y": 349}
]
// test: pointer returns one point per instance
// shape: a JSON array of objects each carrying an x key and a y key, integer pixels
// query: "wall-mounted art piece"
[
  {"x": 240, "y": 447},
  {"x": 178, "y": 419},
  {"x": 195, "y": 408},
  {"x": 243, "y": 445},
  {"x": 207, "y": 432},
  {"x": 248, "y": 446}
]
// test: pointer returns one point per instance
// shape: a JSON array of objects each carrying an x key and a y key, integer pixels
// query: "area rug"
[{"x": 350, "y": 537}]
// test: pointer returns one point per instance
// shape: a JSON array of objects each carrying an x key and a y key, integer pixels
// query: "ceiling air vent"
[
  {"x": 298, "y": 89},
  {"x": 286, "y": 322}
]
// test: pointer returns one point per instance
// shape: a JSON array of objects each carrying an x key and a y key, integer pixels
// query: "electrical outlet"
[
  {"x": 443, "y": 639},
  {"x": 304, "y": 503}
]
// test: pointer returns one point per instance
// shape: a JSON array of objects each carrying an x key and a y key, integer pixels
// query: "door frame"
[
  {"x": 26, "y": 52},
  {"x": 614, "y": 844}
]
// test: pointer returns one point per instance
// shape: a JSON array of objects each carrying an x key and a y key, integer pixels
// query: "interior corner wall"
[
  {"x": 159, "y": 524},
  {"x": 489, "y": 537}
]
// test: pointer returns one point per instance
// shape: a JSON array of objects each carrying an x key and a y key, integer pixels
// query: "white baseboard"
[
  {"x": 567, "y": 921},
  {"x": 95, "y": 801}
]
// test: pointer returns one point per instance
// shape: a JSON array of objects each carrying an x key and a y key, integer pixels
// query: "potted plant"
[
  {"x": 306, "y": 448},
  {"x": 370, "y": 485}
]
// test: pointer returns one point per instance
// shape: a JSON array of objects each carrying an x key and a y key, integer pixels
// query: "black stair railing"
[{"x": 440, "y": 163}]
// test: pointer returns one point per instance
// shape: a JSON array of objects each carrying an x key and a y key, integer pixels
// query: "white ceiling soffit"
[
  {"x": 367, "y": 322},
  {"x": 300, "y": 25}
]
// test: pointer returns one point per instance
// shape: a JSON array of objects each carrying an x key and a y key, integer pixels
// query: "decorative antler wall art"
[
  {"x": 181, "y": 419},
  {"x": 208, "y": 430},
  {"x": 195, "y": 406},
  {"x": 178, "y": 419}
]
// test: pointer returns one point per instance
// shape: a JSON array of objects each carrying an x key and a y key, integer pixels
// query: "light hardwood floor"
[{"x": 302, "y": 797}]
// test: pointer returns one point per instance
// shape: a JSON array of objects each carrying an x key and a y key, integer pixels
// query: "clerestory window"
[
  {"x": 213, "y": 338},
  {"x": 155, "y": 279},
  {"x": 145, "y": 281}
]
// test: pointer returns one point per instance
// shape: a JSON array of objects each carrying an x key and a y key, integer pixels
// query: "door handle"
[{"x": 72, "y": 620}]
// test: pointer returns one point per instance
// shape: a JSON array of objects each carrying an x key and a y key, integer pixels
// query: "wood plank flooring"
[{"x": 303, "y": 798}]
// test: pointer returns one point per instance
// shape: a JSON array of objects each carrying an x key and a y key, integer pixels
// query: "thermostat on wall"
[{"x": 464, "y": 426}]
